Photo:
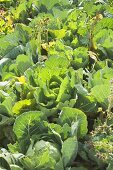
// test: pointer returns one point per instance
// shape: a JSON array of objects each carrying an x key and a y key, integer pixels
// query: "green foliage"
[
  {"x": 71, "y": 115},
  {"x": 69, "y": 150},
  {"x": 56, "y": 90}
]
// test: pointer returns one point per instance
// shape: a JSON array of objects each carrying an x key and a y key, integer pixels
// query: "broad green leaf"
[
  {"x": 66, "y": 131},
  {"x": 101, "y": 93},
  {"x": 57, "y": 62},
  {"x": 69, "y": 150},
  {"x": 56, "y": 136},
  {"x": 45, "y": 156},
  {"x": 59, "y": 165},
  {"x": 8, "y": 104},
  {"x": 49, "y": 4},
  {"x": 7, "y": 43},
  {"x": 104, "y": 23},
  {"x": 61, "y": 14},
  {"x": 12, "y": 54},
  {"x": 102, "y": 76},
  {"x": 62, "y": 96},
  {"x": 87, "y": 8},
  {"x": 46, "y": 74},
  {"x": 29, "y": 74},
  {"x": 23, "y": 63},
  {"x": 71, "y": 115},
  {"x": 76, "y": 77},
  {"x": 51, "y": 147},
  {"x": 31, "y": 49},
  {"x": 87, "y": 104},
  {"x": 80, "y": 57},
  {"x": 49, "y": 155},
  {"x": 103, "y": 41},
  {"x": 28, "y": 124},
  {"x": 24, "y": 32},
  {"x": 13, "y": 44},
  {"x": 81, "y": 89}
]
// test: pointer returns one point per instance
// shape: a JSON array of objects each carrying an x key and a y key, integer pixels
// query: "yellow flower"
[{"x": 21, "y": 79}]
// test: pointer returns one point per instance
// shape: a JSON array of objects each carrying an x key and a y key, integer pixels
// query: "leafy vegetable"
[{"x": 56, "y": 87}]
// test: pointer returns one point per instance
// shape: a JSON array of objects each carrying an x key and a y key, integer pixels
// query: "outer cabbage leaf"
[
  {"x": 57, "y": 62},
  {"x": 104, "y": 23},
  {"x": 87, "y": 104},
  {"x": 28, "y": 124},
  {"x": 49, "y": 4},
  {"x": 6, "y": 106},
  {"x": 101, "y": 93},
  {"x": 103, "y": 42},
  {"x": 63, "y": 96},
  {"x": 8, "y": 42},
  {"x": 102, "y": 76},
  {"x": 69, "y": 150},
  {"x": 80, "y": 57},
  {"x": 70, "y": 115},
  {"x": 23, "y": 62},
  {"x": 44, "y": 155}
]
